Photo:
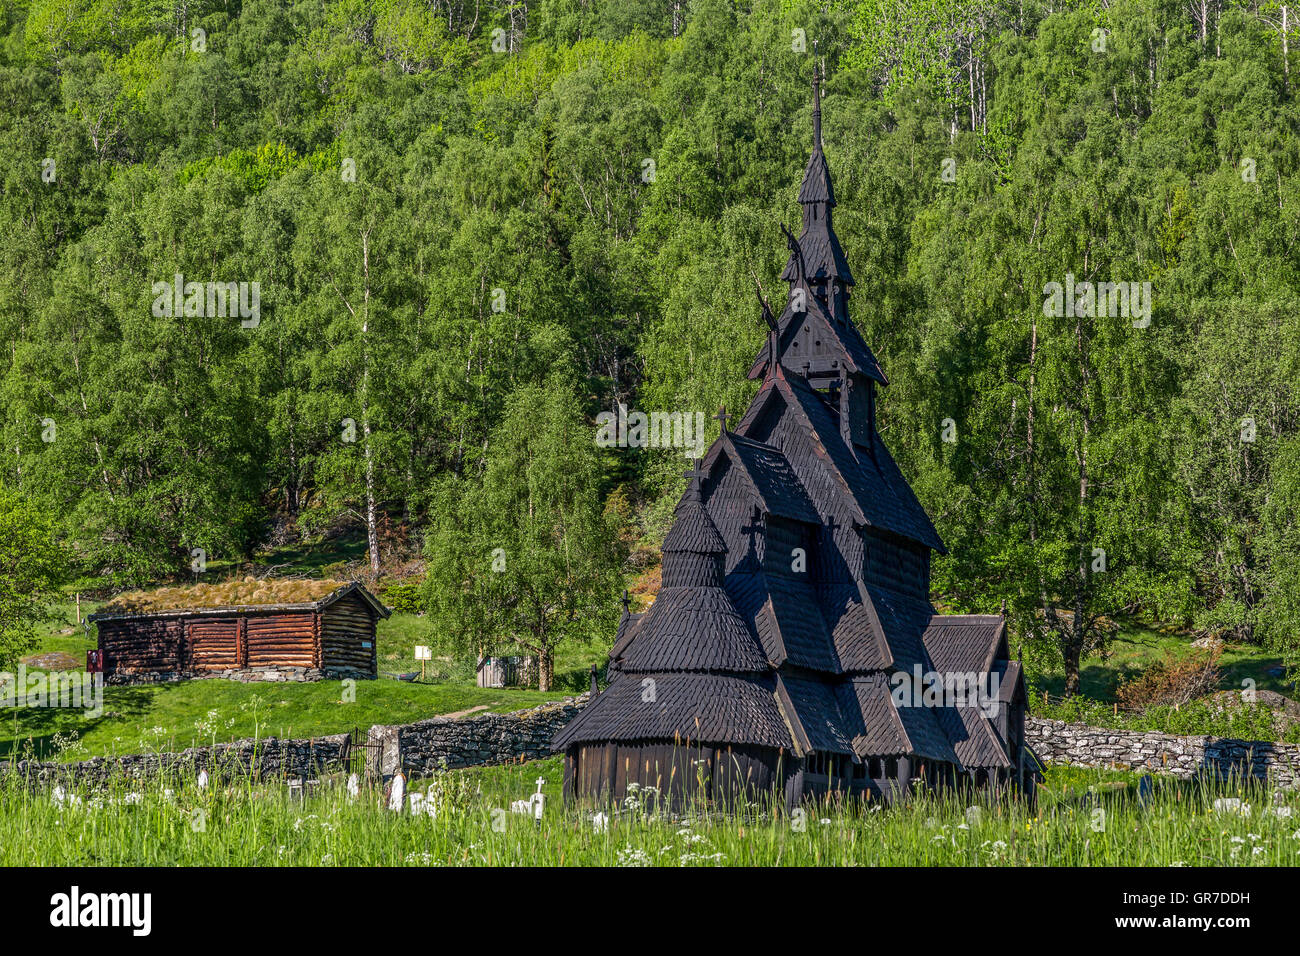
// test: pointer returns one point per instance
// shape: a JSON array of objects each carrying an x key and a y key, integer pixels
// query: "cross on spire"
[
  {"x": 722, "y": 416},
  {"x": 627, "y": 601}
]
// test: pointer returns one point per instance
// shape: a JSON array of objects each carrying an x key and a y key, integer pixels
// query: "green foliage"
[
  {"x": 382, "y": 173},
  {"x": 32, "y": 567},
  {"x": 406, "y": 597},
  {"x": 527, "y": 557}
]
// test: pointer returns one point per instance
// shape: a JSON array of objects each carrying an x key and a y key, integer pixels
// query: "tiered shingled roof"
[{"x": 745, "y": 645}]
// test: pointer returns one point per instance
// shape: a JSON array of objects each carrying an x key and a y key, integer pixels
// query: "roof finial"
[
  {"x": 817, "y": 100},
  {"x": 695, "y": 474},
  {"x": 627, "y": 601},
  {"x": 773, "y": 328},
  {"x": 793, "y": 245},
  {"x": 722, "y": 416}
]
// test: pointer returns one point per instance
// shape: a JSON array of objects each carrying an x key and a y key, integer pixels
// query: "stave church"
[{"x": 792, "y": 651}]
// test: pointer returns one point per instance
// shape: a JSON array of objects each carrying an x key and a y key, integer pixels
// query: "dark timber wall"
[{"x": 677, "y": 771}]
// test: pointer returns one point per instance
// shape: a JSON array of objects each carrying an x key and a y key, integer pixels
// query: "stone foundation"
[{"x": 242, "y": 674}]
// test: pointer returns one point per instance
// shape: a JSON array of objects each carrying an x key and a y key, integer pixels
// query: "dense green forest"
[{"x": 453, "y": 209}]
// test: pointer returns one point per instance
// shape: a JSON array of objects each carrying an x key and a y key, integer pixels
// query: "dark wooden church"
[{"x": 792, "y": 649}]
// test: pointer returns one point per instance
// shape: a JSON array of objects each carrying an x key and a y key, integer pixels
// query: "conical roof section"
[
  {"x": 692, "y": 624},
  {"x": 693, "y": 532},
  {"x": 817, "y": 179}
]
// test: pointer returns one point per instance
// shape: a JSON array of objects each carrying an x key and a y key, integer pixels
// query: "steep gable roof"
[
  {"x": 851, "y": 348},
  {"x": 813, "y": 714},
  {"x": 875, "y": 489},
  {"x": 882, "y": 728},
  {"x": 775, "y": 484},
  {"x": 823, "y": 257}
]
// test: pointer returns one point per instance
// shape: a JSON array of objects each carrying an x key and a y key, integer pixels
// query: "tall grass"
[{"x": 171, "y": 821}]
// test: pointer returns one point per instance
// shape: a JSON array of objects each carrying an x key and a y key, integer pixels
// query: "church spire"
[
  {"x": 817, "y": 107},
  {"x": 826, "y": 268}
]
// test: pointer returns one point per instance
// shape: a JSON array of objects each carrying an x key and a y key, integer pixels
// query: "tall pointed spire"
[
  {"x": 817, "y": 107},
  {"x": 826, "y": 267}
]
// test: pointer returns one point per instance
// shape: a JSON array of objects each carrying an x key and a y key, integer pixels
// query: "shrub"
[
  {"x": 1174, "y": 681},
  {"x": 406, "y": 597}
]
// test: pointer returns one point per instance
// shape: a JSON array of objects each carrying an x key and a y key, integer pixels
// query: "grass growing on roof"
[{"x": 249, "y": 592}]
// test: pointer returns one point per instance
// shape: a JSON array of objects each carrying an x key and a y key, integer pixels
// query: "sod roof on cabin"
[{"x": 229, "y": 595}]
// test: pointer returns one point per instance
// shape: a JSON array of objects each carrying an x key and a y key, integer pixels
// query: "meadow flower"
[{"x": 633, "y": 857}]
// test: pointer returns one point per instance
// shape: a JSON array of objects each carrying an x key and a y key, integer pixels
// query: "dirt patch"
[
  {"x": 466, "y": 713},
  {"x": 55, "y": 661}
]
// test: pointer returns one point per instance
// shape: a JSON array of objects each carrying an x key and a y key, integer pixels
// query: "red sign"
[{"x": 94, "y": 662}]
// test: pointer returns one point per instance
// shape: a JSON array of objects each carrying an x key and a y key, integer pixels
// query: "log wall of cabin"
[
  {"x": 213, "y": 643},
  {"x": 347, "y": 627},
  {"x": 340, "y": 639},
  {"x": 132, "y": 647},
  {"x": 281, "y": 639}
]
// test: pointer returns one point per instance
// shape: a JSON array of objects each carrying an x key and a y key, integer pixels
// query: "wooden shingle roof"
[
  {"x": 885, "y": 729},
  {"x": 705, "y": 708},
  {"x": 813, "y": 713},
  {"x": 693, "y": 629},
  {"x": 774, "y": 481},
  {"x": 874, "y": 487},
  {"x": 847, "y": 342}
]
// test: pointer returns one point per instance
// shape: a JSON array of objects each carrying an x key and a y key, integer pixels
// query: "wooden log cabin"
[
  {"x": 250, "y": 630},
  {"x": 792, "y": 650}
]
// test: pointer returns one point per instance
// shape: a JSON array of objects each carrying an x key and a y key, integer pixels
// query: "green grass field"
[{"x": 1082, "y": 818}]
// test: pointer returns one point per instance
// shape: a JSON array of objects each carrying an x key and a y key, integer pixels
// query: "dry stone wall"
[
  {"x": 416, "y": 749},
  {"x": 428, "y": 745},
  {"x": 269, "y": 758},
  {"x": 1081, "y": 745}
]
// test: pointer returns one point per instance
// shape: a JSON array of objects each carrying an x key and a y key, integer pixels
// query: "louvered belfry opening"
[{"x": 787, "y": 654}]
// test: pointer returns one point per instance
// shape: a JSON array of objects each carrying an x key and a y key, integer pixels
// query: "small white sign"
[{"x": 423, "y": 653}]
